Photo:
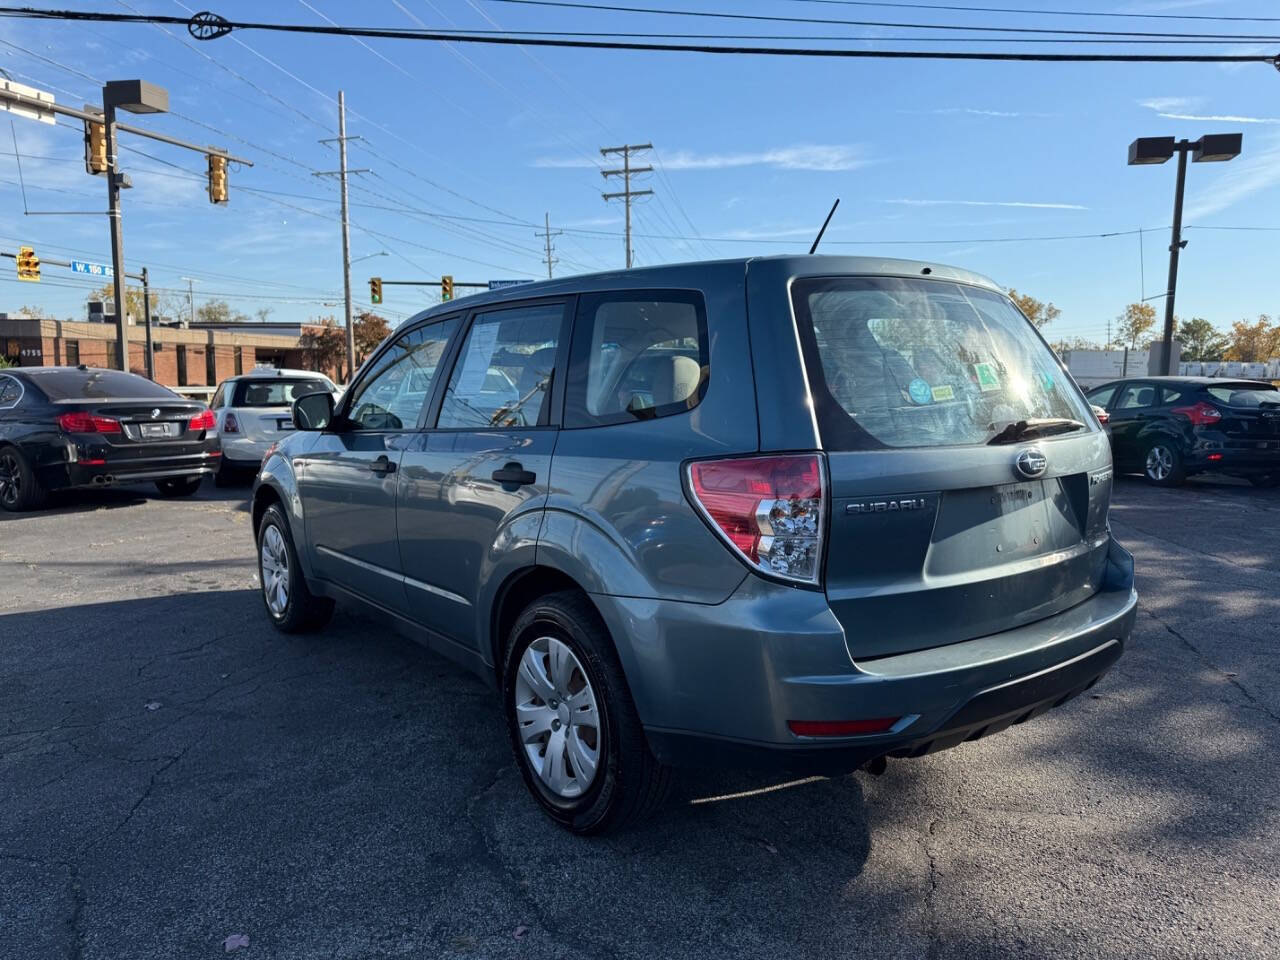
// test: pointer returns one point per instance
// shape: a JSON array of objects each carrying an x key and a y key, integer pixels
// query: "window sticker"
[
  {"x": 986, "y": 376},
  {"x": 943, "y": 392},
  {"x": 919, "y": 392}
]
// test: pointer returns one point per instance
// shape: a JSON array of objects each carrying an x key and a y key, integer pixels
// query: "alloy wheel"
[
  {"x": 557, "y": 717},
  {"x": 1159, "y": 463},
  {"x": 10, "y": 479},
  {"x": 275, "y": 570}
]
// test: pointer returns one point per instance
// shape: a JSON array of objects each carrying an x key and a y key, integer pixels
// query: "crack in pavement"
[
  {"x": 1227, "y": 675},
  {"x": 151, "y": 783}
]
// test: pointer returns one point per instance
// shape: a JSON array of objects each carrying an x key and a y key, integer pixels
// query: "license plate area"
[
  {"x": 286, "y": 424},
  {"x": 156, "y": 431}
]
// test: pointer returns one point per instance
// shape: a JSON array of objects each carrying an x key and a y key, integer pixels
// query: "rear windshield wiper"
[{"x": 1027, "y": 429}]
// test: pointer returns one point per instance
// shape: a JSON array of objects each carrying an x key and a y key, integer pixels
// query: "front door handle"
[
  {"x": 383, "y": 465},
  {"x": 514, "y": 474}
]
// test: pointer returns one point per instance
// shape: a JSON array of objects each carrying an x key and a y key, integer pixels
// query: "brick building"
[{"x": 183, "y": 357}]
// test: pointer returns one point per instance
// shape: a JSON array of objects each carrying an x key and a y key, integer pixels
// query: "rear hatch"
[
  {"x": 1250, "y": 414},
  {"x": 969, "y": 481},
  {"x": 263, "y": 406}
]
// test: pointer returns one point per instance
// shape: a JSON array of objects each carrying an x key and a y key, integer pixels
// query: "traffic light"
[
  {"x": 446, "y": 288},
  {"x": 375, "y": 289},
  {"x": 28, "y": 265},
  {"x": 95, "y": 146},
  {"x": 217, "y": 178}
]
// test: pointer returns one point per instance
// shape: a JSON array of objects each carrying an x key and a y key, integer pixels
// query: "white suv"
[{"x": 254, "y": 410}]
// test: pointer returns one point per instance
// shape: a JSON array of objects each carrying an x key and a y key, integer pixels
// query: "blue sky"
[{"x": 750, "y": 149}]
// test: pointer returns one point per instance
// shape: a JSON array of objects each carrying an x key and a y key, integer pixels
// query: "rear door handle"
[
  {"x": 514, "y": 474},
  {"x": 383, "y": 465}
]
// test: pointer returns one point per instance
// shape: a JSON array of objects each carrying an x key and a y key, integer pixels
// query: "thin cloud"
[
  {"x": 825, "y": 158},
  {"x": 982, "y": 112},
  {"x": 1252, "y": 173},
  {"x": 1160, "y": 104},
  {"x": 1219, "y": 118},
  {"x": 1035, "y": 205}
]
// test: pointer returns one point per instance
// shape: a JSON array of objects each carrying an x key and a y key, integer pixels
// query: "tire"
[
  {"x": 20, "y": 488},
  {"x": 1162, "y": 464},
  {"x": 627, "y": 783},
  {"x": 178, "y": 486},
  {"x": 297, "y": 609},
  {"x": 1265, "y": 481}
]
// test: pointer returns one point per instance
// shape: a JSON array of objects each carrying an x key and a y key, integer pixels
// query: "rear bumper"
[
  {"x": 113, "y": 471},
  {"x": 717, "y": 684},
  {"x": 1236, "y": 460},
  {"x": 241, "y": 453}
]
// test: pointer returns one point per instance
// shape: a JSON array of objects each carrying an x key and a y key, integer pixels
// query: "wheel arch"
[{"x": 521, "y": 588}]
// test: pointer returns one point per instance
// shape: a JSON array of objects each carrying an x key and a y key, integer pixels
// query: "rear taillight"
[
  {"x": 230, "y": 424},
  {"x": 1201, "y": 415},
  {"x": 82, "y": 422},
  {"x": 769, "y": 509},
  {"x": 1101, "y": 415},
  {"x": 203, "y": 421}
]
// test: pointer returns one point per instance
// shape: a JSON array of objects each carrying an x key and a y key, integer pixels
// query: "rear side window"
[
  {"x": 10, "y": 391},
  {"x": 274, "y": 392},
  {"x": 100, "y": 385},
  {"x": 896, "y": 362},
  {"x": 1242, "y": 395},
  {"x": 502, "y": 379},
  {"x": 637, "y": 355}
]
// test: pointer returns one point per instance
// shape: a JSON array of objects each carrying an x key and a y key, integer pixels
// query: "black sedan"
[
  {"x": 1170, "y": 427},
  {"x": 63, "y": 427}
]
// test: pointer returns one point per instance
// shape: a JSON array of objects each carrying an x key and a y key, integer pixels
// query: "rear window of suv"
[
  {"x": 274, "y": 392},
  {"x": 1245, "y": 395},
  {"x": 899, "y": 362}
]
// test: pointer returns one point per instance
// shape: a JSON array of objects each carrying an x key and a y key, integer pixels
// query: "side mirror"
[{"x": 313, "y": 411}]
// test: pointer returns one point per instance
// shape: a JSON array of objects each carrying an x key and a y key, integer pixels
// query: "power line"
[
  {"x": 862, "y": 54},
  {"x": 773, "y": 18},
  {"x": 1039, "y": 13}
]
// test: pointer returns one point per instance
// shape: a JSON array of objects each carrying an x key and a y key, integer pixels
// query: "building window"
[
  {"x": 211, "y": 365},
  {"x": 182, "y": 365},
  {"x": 73, "y": 353},
  {"x": 239, "y": 360}
]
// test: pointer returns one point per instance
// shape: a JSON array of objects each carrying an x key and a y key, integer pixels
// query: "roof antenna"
[{"x": 818, "y": 239}]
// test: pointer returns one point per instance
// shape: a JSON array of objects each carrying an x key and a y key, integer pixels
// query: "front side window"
[
  {"x": 896, "y": 362},
  {"x": 391, "y": 396},
  {"x": 1135, "y": 396},
  {"x": 275, "y": 392},
  {"x": 1102, "y": 396},
  {"x": 637, "y": 355},
  {"x": 503, "y": 376}
]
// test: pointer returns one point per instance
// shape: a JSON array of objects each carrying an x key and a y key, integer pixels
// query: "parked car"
[
  {"x": 64, "y": 427},
  {"x": 254, "y": 409},
  {"x": 806, "y": 512},
  {"x": 1171, "y": 427}
]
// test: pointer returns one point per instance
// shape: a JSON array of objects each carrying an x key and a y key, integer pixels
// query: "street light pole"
[
  {"x": 1175, "y": 247},
  {"x": 1211, "y": 148},
  {"x": 114, "y": 180}
]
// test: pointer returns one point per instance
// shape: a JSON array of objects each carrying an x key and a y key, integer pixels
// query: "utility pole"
[
  {"x": 191, "y": 300},
  {"x": 627, "y": 193},
  {"x": 547, "y": 235},
  {"x": 115, "y": 179},
  {"x": 341, "y": 173}
]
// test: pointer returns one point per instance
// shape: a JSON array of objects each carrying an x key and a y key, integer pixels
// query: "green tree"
[
  {"x": 1038, "y": 313},
  {"x": 1201, "y": 340},
  {"x": 1136, "y": 320},
  {"x": 219, "y": 311},
  {"x": 5, "y": 362},
  {"x": 1254, "y": 342}
]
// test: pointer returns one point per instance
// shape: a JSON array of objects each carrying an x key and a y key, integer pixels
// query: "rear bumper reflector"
[{"x": 841, "y": 728}]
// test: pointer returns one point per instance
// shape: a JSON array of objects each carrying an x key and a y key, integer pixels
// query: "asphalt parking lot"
[{"x": 173, "y": 773}]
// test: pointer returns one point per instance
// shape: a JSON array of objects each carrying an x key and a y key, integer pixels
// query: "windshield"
[
  {"x": 1245, "y": 395},
  {"x": 276, "y": 392},
  {"x": 98, "y": 385},
  {"x": 921, "y": 363}
]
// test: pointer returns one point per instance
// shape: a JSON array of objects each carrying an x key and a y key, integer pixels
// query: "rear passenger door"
[
  {"x": 472, "y": 487},
  {"x": 1134, "y": 405}
]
